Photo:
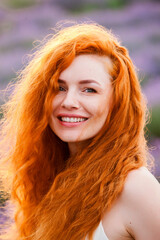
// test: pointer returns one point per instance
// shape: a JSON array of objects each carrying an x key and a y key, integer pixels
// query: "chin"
[
  {"x": 70, "y": 138},
  {"x": 67, "y": 138}
]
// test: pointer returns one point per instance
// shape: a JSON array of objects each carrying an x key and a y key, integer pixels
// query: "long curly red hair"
[{"x": 58, "y": 196}]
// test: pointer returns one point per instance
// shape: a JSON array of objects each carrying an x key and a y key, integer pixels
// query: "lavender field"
[{"x": 136, "y": 23}]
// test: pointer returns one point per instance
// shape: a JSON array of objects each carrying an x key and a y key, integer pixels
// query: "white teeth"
[{"x": 67, "y": 119}]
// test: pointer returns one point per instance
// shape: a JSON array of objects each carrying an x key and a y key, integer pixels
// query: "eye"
[
  {"x": 61, "y": 89},
  {"x": 90, "y": 90}
]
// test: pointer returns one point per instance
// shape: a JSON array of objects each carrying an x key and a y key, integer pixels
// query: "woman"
[{"x": 74, "y": 127}]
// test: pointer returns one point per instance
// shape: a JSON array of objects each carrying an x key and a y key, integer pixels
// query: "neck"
[{"x": 75, "y": 146}]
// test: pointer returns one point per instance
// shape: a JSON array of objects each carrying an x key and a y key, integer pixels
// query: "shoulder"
[
  {"x": 141, "y": 204},
  {"x": 141, "y": 182}
]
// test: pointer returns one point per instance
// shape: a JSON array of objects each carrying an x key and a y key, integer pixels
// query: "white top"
[{"x": 99, "y": 233}]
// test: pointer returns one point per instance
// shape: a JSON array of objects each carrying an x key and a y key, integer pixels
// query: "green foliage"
[
  {"x": 1, "y": 115},
  {"x": 19, "y": 3},
  {"x": 84, "y": 8},
  {"x": 154, "y": 126},
  {"x": 143, "y": 78},
  {"x": 155, "y": 38},
  {"x": 1, "y": 112},
  {"x": 89, "y": 6},
  {"x": 115, "y": 4},
  {"x": 3, "y": 198}
]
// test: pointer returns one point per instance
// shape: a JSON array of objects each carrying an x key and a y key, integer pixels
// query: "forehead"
[{"x": 88, "y": 67}]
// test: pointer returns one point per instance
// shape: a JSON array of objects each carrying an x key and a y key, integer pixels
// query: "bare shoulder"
[
  {"x": 141, "y": 185},
  {"x": 141, "y": 182},
  {"x": 136, "y": 213},
  {"x": 141, "y": 204}
]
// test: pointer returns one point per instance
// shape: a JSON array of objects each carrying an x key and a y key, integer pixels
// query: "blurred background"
[{"x": 135, "y": 22}]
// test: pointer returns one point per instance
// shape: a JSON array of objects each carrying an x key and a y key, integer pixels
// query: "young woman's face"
[{"x": 81, "y": 106}]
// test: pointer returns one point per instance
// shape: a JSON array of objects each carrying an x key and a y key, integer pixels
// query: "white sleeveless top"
[{"x": 99, "y": 233}]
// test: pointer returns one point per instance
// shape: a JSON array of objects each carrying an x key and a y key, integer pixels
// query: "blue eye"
[
  {"x": 61, "y": 89},
  {"x": 90, "y": 90}
]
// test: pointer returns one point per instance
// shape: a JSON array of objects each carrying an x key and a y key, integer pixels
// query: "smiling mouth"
[{"x": 72, "y": 119}]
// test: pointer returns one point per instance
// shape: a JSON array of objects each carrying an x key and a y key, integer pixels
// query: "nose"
[{"x": 70, "y": 100}]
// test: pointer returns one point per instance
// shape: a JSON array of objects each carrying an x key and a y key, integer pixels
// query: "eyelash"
[{"x": 91, "y": 90}]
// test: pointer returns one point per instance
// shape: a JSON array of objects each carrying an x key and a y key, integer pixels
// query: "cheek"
[
  {"x": 56, "y": 102},
  {"x": 102, "y": 113},
  {"x": 99, "y": 108}
]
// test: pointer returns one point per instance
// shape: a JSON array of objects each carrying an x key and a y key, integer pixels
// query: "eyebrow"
[{"x": 81, "y": 81}]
